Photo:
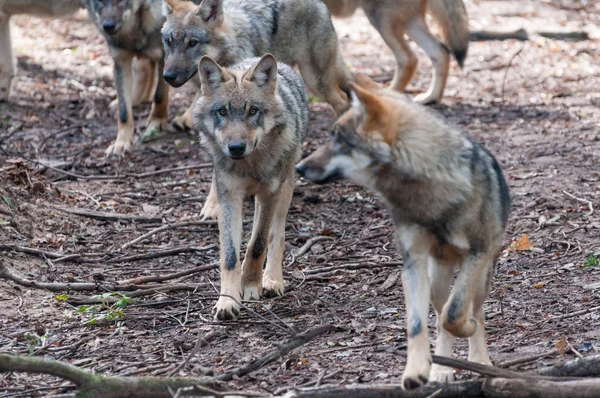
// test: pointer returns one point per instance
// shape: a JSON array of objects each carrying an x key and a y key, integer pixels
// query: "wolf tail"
[
  {"x": 452, "y": 18},
  {"x": 341, "y": 8}
]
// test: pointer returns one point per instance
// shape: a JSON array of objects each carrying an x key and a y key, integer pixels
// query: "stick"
[
  {"x": 54, "y": 256},
  {"x": 522, "y": 35},
  {"x": 161, "y": 278},
  {"x": 588, "y": 202},
  {"x": 531, "y": 358},
  {"x": 166, "y": 227},
  {"x": 510, "y": 61},
  {"x": 124, "y": 176},
  {"x": 201, "y": 341},
  {"x": 6, "y": 273},
  {"x": 306, "y": 247},
  {"x": 271, "y": 356},
  {"x": 108, "y": 216},
  {"x": 584, "y": 367},
  {"x": 162, "y": 253}
]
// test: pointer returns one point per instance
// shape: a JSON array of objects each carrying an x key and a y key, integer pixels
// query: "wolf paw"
[
  {"x": 118, "y": 148},
  {"x": 210, "y": 210},
  {"x": 252, "y": 291},
  {"x": 416, "y": 375},
  {"x": 426, "y": 99},
  {"x": 442, "y": 374},
  {"x": 226, "y": 309},
  {"x": 273, "y": 286},
  {"x": 155, "y": 129},
  {"x": 183, "y": 122}
]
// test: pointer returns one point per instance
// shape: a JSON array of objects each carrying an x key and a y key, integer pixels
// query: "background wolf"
[
  {"x": 144, "y": 71},
  {"x": 395, "y": 18},
  {"x": 449, "y": 204},
  {"x": 132, "y": 29},
  {"x": 295, "y": 31},
  {"x": 252, "y": 119}
]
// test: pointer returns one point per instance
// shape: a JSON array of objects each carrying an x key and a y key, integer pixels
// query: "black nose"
[
  {"x": 237, "y": 148},
  {"x": 109, "y": 26},
  {"x": 301, "y": 169},
  {"x": 170, "y": 76}
]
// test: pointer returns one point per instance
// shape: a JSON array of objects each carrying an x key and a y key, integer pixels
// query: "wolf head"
[
  {"x": 361, "y": 139},
  {"x": 190, "y": 32},
  {"x": 112, "y": 15},
  {"x": 238, "y": 106}
]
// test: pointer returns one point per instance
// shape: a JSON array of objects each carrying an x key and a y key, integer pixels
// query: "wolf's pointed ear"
[
  {"x": 211, "y": 74},
  {"x": 211, "y": 12},
  {"x": 264, "y": 73},
  {"x": 373, "y": 106},
  {"x": 168, "y": 7},
  {"x": 366, "y": 82}
]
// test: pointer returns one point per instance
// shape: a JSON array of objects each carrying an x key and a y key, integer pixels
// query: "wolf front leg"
[
  {"x": 211, "y": 206},
  {"x": 273, "y": 274},
  {"x": 124, "y": 82},
  {"x": 252, "y": 269},
  {"x": 7, "y": 62},
  {"x": 159, "y": 114},
  {"x": 416, "y": 244},
  {"x": 230, "y": 236}
]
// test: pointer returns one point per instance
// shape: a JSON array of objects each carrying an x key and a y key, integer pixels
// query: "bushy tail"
[
  {"x": 452, "y": 18},
  {"x": 341, "y": 8}
]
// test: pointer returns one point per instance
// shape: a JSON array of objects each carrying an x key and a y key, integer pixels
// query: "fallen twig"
[
  {"x": 522, "y": 35},
  {"x": 123, "y": 176},
  {"x": 162, "y": 253},
  {"x": 166, "y": 227},
  {"x": 6, "y": 273},
  {"x": 108, "y": 216},
  {"x": 531, "y": 358},
  {"x": 588, "y": 202},
  {"x": 202, "y": 340},
  {"x": 293, "y": 343},
  {"x": 161, "y": 278},
  {"x": 510, "y": 61},
  {"x": 76, "y": 257}
]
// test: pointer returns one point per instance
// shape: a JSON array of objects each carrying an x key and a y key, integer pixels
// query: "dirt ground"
[{"x": 538, "y": 112}]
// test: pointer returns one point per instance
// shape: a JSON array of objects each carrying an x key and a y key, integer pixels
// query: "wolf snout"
[
  {"x": 301, "y": 169},
  {"x": 170, "y": 76},
  {"x": 237, "y": 148},
  {"x": 109, "y": 26}
]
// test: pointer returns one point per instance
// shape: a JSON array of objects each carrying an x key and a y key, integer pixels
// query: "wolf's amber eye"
[
  {"x": 223, "y": 112},
  {"x": 253, "y": 110},
  {"x": 192, "y": 42}
]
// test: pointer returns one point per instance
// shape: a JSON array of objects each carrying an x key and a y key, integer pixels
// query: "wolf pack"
[{"x": 446, "y": 194}]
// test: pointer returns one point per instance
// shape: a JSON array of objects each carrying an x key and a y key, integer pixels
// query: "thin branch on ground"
[
  {"x": 588, "y": 202},
  {"x": 162, "y": 253},
  {"x": 166, "y": 227},
  {"x": 293, "y": 343},
  {"x": 306, "y": 247},
  {"x": 202, "y": 340},
  {"x": 104, "y": 216}
]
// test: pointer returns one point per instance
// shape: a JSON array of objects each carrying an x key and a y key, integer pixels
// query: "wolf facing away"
[
  {"x": 395, "y": 18},
  {"x": 252, "y": 119},
  {"x": 449, "y": 203},
  {"x": 296, "y": 32},
  {"x": 132, "y": 29}
]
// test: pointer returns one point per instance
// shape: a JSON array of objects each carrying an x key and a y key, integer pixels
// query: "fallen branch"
[
  {"x": 581, "y": 367},
  {"x": 161, "y": 278},
  {"x": 523, "y": 35},
  {"x": 123, "y": 176},
  {"x": 524, "y": 388},
  {"x": 162, "y": 253},
  {"x": 97, "y": 215},
  {"x": 293, "y": 343},
  {"x": 588, "y": 202},
  {"x": 78, "y": 258},
  {"x": 97, "y": 386},
  {"x": 166, "y": 227},
  {"x": 6, "y": 273},
  {"x": 306, "y": 247},
  {"x": 531, "y": 358}
]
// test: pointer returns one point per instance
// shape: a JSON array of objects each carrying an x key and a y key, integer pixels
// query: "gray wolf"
[
  {"x": 297, "y": 32},
  {"x": 395, "y": 18},
  {"x": 42, "y": 8},
  {"x": 252, "y": 119},
  {"x": 449, "y": 204},
  {"x": 132, "y": 29},
  {"x": 144, "y": 70}
]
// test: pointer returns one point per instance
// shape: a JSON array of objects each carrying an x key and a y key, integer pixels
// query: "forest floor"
[{"x": 535, "y": 105}]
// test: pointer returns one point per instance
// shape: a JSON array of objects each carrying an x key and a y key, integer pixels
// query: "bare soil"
[{"x": 538, "y": 112}]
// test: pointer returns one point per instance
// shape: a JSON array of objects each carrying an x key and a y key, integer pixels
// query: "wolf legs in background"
[
  {"x": 157, "y": 119},
  {"x": 7, "y": 62}
]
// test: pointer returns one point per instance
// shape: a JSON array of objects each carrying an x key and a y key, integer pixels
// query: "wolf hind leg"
[
  {"x": 477, "y": 345},
  {"x": 440, "y": 58},
  {"x": 392, "y": 33},
  {"x": 457, "y": 316},
  {"x": 159, "y": 114},
  {"x": 440, "y": 277}
]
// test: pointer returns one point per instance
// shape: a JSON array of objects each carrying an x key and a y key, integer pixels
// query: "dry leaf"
[
  {"x": 522, "y": 244},
  {"x": 539, "y": 285},
  {"x": 562, "y": 346}
]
